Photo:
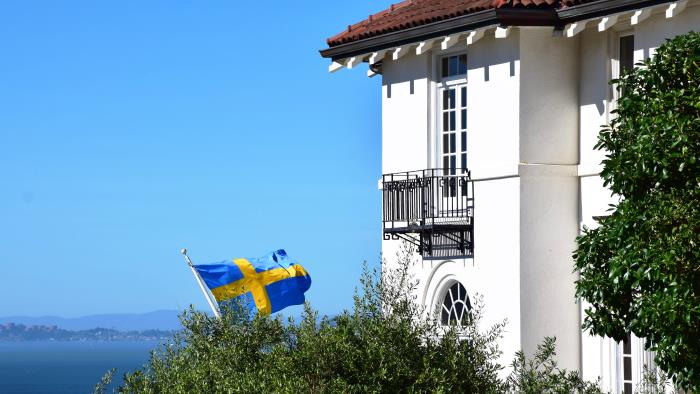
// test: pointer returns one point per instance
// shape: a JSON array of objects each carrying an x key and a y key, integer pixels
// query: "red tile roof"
[{"x": 411, "y": 13}]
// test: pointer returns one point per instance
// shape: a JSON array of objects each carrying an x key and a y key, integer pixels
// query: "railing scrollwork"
[{"x": 436, "y": 205}]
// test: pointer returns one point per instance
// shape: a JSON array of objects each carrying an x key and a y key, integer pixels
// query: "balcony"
[{"x": 432, "y": 209}]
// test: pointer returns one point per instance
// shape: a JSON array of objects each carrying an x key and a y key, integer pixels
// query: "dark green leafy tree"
[{"x": 640, "y": 269}]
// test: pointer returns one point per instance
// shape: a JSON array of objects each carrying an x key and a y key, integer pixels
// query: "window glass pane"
[
  {"x": 464, "y": 119},
  {"x": 454, "y": 65},
  {"x": 446, "y": 163},
  {"x": 445, "y": 317},
  {"x": 628, "y": 368},
  {"x": 451, "y": 66},
  {"x": 626, "y": 53},
  {"x": 445, "y": 121},
  {"x": 464, "y": 162},
  {"x": 464, "y": 97},
  {"x": 458, "y": 309},
  {"x": 453, "y": 143},
  {"x": 453, "y": 98},
  {"x": 464, "y": 141},
  {"x": 445, "y": 144},
  {"x": 453, "y": 120},
  {"x": 445, "y": 99},
  {"x": 448, "y": 300},
  {"x": 627, "y": 345},
  {"x": 628, "y": 388},
  {"x": 453, "y": 165}
]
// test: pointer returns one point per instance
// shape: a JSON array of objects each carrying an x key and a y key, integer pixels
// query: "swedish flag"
[{"x": 266, "y": 285}]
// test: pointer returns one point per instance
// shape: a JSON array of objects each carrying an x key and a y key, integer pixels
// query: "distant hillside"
[
  {"x": 20, "y": 333},
  {"x": 157, "y": 320}
]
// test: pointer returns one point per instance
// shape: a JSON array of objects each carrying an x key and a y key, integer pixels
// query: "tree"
[
  {"x": 385, "y": 344},
  {"x": 640, "y": 269}
]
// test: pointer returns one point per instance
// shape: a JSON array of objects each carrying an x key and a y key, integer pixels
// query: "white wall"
[
  {"x": 492, "y": 94},
  {"x": 405, "y": 121},
  {"x": 493, "y": 273},
  {"x": 651, "y": 33},
  {"x": 548, "y": 228},
  {"x": 493, "y": 74},
  {"x": 548, "y": 97},
  {"x": 405, "y": 96},
  {"x": 549, "y": 116},
  {"x": 594, "y": 95}
]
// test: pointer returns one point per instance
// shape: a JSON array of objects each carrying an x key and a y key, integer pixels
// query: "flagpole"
[{"x": 202, "y": 287}]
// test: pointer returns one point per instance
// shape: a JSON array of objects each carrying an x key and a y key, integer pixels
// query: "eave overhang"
[
  {"x": 503, "y": 17},
  {"x": 603, "y": 8},
  {"x": 411, "y": 35}
]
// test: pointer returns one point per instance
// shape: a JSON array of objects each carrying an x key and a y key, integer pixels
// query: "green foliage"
[
  {"x": 640, "y": 269},
  {"x": 105, "y": 381},
  {"x": 654, "y": 142},
  {"x": 542, "y": 375},
  {"x": 655, "y": 382},
  {"x": 385, "y": 344}
]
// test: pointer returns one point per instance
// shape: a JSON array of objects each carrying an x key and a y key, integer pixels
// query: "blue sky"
[{"x": 132, "y": 129}]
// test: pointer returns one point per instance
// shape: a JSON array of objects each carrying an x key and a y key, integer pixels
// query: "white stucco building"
[{"x": 490, "y": 111}]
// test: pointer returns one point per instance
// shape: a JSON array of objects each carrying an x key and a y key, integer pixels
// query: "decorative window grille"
[{"x": 455, "y": 306}]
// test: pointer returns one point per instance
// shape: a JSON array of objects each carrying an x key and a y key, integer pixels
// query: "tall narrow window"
[
  {"x": 452, "y": 117},
  {"x": 626, "y": 63},
  {"x": 627, "y": 365},
  {"x": 626, "y": 46},
  {"x": 625, "y": 60}
]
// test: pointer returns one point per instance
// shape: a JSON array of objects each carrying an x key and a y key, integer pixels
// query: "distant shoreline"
[
  {"x": 165, "y": 320},
  {"x": 12, "y": 332}
]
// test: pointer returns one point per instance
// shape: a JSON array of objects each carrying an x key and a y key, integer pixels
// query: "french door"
[{"x": 453, "y": 136}]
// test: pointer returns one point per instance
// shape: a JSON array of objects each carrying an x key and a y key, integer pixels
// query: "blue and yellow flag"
[{"x": 266, "y": 285}]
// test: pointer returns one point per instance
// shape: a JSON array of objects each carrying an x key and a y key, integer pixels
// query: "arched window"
[{"x": 455, "y": 306}]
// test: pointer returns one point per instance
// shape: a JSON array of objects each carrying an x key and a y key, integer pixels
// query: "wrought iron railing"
[{"x": 435, "y": 206}]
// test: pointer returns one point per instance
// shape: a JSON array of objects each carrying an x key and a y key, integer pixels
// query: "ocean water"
[{"x": 66, "y": 367}]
